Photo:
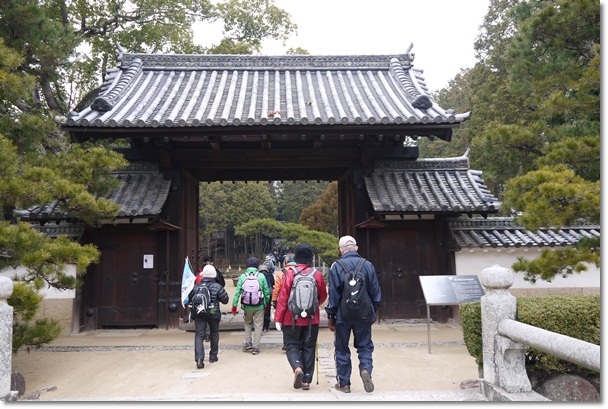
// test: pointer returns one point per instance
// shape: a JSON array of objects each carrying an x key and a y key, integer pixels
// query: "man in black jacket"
[
  {"x": 208, "y": 260},
  {"x": 361, "y": 326}
]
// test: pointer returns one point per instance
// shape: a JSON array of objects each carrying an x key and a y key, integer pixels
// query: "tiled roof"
[
  {"x": 176, "y": 91},
  {"x": 429, "y": 186},
  {"x": 142, "y": 192},
  {"x": 503, "y": 232},
  {"x": 60, "y": 228}
]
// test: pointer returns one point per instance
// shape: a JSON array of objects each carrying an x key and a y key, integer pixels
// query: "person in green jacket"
[{"x": 253, "y": 297}]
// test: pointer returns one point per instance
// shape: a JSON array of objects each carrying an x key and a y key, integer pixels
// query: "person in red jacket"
[{"x": 300, "y": 336}]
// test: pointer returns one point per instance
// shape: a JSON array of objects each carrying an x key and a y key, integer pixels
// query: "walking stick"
[{"x": 317, "y": 354}]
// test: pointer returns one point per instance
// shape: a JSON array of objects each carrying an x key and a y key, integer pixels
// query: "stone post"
[
  {"x": 496, "y": 305},
  {"x": 6, "y": 337}
]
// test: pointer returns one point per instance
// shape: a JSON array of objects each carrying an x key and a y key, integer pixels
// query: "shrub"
[{"x": 574, "y": 316}]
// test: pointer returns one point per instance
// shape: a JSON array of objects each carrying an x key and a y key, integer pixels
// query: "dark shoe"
[
  {"x": 247, "y": 348},
  {"x": 212, "y": 359},
  {"x": 345, "y": 388},
  {"x": 200, "y": 364},
  {"x": 305, "y": 386},
  {"x": 207, "y": 339},
  {"x": 367, "y": 381},
  {"x": 298, "y": 376},
  {"x": 255, "y": 351},
  {"x": 284, "y": 348}
]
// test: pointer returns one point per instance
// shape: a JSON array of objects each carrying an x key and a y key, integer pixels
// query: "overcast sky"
[{"x": 442, "y": 31}]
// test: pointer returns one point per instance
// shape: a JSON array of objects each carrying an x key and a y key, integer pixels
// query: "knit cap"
[
  {"x": 304, "y": 254},
  {"x": 209, "y": 271}
]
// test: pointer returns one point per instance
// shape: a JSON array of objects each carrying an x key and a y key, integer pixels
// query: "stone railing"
[
  {"x": 6, "y": 339},
  {"x": 505, "y": 342}
]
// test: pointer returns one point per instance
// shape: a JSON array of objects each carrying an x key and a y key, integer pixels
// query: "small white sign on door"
[{"x": 148, "y": 261}]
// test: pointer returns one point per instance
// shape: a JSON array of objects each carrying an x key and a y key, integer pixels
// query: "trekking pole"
[{"x": 317, "y": 354}]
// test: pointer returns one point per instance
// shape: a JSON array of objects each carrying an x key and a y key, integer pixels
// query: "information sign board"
[{"x": 449, "y": 290}]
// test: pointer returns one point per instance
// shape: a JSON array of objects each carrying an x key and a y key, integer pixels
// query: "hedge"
[{"x": 575, "y": 316}]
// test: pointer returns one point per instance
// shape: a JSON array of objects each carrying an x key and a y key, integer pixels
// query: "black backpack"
[
  {"x": 355, "y": 304},
  {"x": 202, "y": 306}
]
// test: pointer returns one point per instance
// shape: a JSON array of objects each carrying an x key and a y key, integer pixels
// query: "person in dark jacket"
[
  {"x": 208, "y": 260},
  {"x": 268, "y": 272},
  {"x": 218, "y": 294},
  {"x": 219, "y": 278},
  {"x": 362, "y": 330}
]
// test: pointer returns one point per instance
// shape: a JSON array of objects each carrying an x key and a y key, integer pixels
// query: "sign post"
[{"x": 449, "y": 290}]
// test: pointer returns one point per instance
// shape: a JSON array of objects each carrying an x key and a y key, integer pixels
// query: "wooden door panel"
[
  {"x": 406, "y": 255},
  {"x": 127, "y": 293}
]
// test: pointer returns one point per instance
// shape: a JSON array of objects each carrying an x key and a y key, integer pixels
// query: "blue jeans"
[{"x": 362, "y": 332}]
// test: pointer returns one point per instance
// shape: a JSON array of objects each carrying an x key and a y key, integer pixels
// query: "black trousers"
[
  {"x": 200, "y": 326},
  {"x": 301, "y": 348}
]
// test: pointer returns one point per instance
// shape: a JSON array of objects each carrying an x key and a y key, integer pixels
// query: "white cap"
[
  {"x": 347, "y": 241},
  {"x": 209, "y": 271}
]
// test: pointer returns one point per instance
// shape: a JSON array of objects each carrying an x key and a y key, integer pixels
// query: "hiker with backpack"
[
  {"x": 253, "y": 293},
  {"x": 205, "y": 310},
  {"x": 302, "y": 291},
  {"x": 268, "y": 272},
  {"x": 219, "y": 278},
  {"x": 278, "y": 280},
  {"x": 354, "y": 298}
]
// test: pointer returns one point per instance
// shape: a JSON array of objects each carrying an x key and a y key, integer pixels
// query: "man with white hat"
[{"x": 352, "y": 282}]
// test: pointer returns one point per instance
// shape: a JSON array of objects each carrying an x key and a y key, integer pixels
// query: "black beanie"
[
  {"x": 253, "y": 262},
  {"x": 303, "y": 254}
]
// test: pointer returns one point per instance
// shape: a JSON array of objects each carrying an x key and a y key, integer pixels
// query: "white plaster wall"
[
  {"x": 473, "y": 261},
  {"x": 48, "y": 292}
]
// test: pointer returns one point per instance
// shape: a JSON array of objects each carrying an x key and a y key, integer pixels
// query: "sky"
[{"x": 442, "y": 32}]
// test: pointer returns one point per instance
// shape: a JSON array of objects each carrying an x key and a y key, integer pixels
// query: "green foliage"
[
  {"x": 324, "y": 244},
  {"x": 25, "y": 301},
  {"x": 297, "y": 51},
  {"x": 252, "y": 20},
  {"x": 38, "y": 165},
  {"x": 266, "y": 227},
  {"x": 247, "y": 201},
  {"x": 470, "y": 314},
  {"x": 258, "y": 229},
  {"x": 293, "y": 197},
  {"x": 535, "y": 128},
  {"x": 322, "y": 215},
  {"x": 574, "y": 316},
  {"x": 44, "y": 258},
  {"x": 213, "y": 202},
  {"x": 539, "y": 193},
  {"x": 563, "y": 261},
  {"x": 577, "y": 317}
]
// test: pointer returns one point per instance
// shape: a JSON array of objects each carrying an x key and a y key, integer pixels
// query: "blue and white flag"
[{"x": 187, "y": 282}]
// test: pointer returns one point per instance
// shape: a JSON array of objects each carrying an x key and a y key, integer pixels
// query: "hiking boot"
[
  {"x": 345, "y": 388},
  {"x": 255, "y": 351},
  {"x": 247, "y": 348},
  {"x": 367, "y": 381},
  {"x": 297, "y": 379},
  {"x": 305, "y": 386},
  {"x": 200, "y": 364}
]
